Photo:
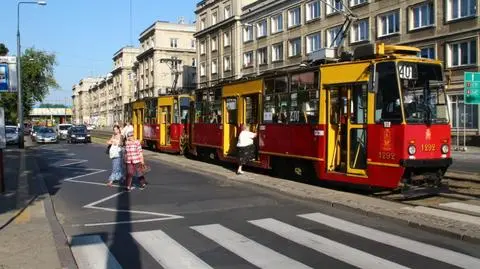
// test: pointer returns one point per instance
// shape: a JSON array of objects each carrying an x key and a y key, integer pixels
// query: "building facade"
[
  {"x": 276, "y": 34},
  {"x": 122, "y": 79},
  {"x": 81, "y": 100},
  {"x": 166, "y": 49}
]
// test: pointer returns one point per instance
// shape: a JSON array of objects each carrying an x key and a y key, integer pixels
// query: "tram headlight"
[
  {"x": 412, "y": 149},
  {"x": 445, "y": 149}
]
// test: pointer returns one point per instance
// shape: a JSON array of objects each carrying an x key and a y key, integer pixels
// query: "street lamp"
[{"x": 19, "y": 76}]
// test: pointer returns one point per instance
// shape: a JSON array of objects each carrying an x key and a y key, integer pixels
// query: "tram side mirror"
[{"x": 372, "y": 85}]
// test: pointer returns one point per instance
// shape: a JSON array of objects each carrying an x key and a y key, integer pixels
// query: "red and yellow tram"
[{"x": 379, "y": 120}]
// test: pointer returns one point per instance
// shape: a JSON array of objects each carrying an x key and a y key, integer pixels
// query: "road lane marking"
[
  {"x": 445, "y": 214},
  {"x": 158, "y": 216},
  {"x": 326, "y": 246},
  {"x": 90, "y": 252},
  {"x": 462, "y": 206},
  {"x": 249, "y": 250},
  {"x": 168, "y": 252},
  {"x": 72, "y": 163},
  {"x": 430, "y": 251},
  {"x": 89, "y": 174}
]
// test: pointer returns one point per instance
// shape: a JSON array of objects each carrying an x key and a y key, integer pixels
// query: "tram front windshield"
[{"x": 422, "y": 90}]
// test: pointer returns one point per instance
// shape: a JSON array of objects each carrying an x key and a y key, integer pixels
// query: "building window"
[
  {"x": 457, "y": 9},
  {"x": 469, "y": 119},
  {"x": 226, "y": 12},
  {"x": 312, "y": 10},
  {"x": 247, "y": 33},
  {"x": 360, "y": 31},
  {"x": 202, "y": 24},
  {"x": 277, "y": 23},
  {"x": 193, "y": 43},
  {"x": 262, "y": 29},
  {"x": 214, "y": 18},
  {"x": 277, "y": 52},
  {"x": 173, "y": 42},
  {"x": 214, "y": 44},
  {"x": 462, "y": 53},
  {"x": 422, "y": 15},
  {"x": 262, "y": 56},
  {"x": 202, "y": 69},
  {"x": 214, "y": 66},
  {"x": 202, "y": 48},
  {"x": 357, "y": 2},
  {"x": 334, "y": 6},
  {"x": 294, "y": 17},
  {"x": 248, "y": 59},
  {"x": 331, "y": 34},
  {"x": 226, "y": 63},
  {"x": 388, "y": 23},
  {"x": 226, "y": 39},
  {"x": 294, "y": 47},
  {"x": 313, "y": 42},
  {"x": 427, "y": 52}
]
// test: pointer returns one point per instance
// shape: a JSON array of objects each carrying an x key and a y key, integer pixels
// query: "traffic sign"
[
  {"x": 8, "y": 73},
  {"x": 472, "y": 87}
]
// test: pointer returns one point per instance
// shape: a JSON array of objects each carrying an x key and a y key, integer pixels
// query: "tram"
[
  {"x": 378, "y": 120},
  {"x": 161, "y": 123}
]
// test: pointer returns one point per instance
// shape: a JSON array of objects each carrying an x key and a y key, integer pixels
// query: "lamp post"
[{"x": 19, "y": 76}]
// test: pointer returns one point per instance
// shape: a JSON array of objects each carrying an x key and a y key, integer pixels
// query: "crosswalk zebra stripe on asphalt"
[
  {"x": 249, "y": 250},
  {"x": 168, "y": 252},
  {"x": 433, "y": 252},
  {"x": 90, "y": 252},
  {"x": 326, "y": 246}
]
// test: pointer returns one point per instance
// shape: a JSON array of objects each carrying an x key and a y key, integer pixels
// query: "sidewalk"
[{"x": 26, "y": 236}]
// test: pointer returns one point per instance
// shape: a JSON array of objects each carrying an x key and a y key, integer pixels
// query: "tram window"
[
  {"x": 232, "y": 110},
  {"x": 150, "y": 116},
  {"x": 304, "y": 98},
  {"x": 335, "y": 103},
  {"x": 184, "y": 109},
  {"x": 359, "y": 104},
  {"x": 251, "y": 110},
  {"x": 215, "y": 105},
  {"x": 276, "y": 100},
  {"x": 387, "y": 106}
]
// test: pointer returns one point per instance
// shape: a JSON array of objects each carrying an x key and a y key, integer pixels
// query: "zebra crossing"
[{"x": 93, "y": 253}]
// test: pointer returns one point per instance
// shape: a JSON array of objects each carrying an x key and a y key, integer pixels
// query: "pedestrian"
[
  {"x": 134, "y": 161},
  {"x": 115, "y": 154},
  {"x": 245, "y": 147},
  {"x": 128, "y": 127}
]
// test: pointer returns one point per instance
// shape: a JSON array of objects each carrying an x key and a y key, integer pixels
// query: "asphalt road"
[{"x": 188, "y": 220}]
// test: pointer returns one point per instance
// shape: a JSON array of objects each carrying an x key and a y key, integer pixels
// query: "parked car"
[
  {"x": 62, "y": 130},
  {"x": 46, "y": 135},
  {"x": 34, "y": 131},
  {"x": 11, "y": 134},
  {"x": 78, "y": 134}
]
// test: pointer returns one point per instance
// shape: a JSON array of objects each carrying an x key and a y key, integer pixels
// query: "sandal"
[{"x": 109, "y": 184}]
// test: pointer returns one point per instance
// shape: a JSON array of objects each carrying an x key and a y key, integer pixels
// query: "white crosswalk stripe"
[
  {"x": 90, "y": 252},
  {"x": 167, "y": 252},
  {"x": 440, "y": 254},
  {"x": 249, "y": 250},
  {"x": 326, "y": 246}
]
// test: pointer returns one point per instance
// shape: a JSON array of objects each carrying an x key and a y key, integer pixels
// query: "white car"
[
  {"x": 11, "y": 134},
  {"x": 62, "y": 130},
  {"x": 46, "y": 135}
]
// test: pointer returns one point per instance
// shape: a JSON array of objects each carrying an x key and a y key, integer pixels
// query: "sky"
[{"x": 84, "y": 34}]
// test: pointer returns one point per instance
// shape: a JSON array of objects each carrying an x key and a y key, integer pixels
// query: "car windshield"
[
  {"x": 78, "y": 130},
  {"x": 10, "y": 130},
  {"x": 36, "y": 128},
  {"x": 46, "y": 130},
  {"x": 63, "y": 127},
  {"x": 424, "y": 98}
]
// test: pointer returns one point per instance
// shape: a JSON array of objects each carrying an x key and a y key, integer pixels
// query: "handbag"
[{"x": 107, "y": 151}]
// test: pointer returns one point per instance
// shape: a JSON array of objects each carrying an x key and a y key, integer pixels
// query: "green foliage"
[
  {"x": 37, "y": 79},
  {"x": 3, "y": 50},
  {"x": 52, "y": 106}
]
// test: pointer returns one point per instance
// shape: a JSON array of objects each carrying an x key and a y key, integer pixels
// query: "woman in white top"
[{"x": 245, "y": 147}]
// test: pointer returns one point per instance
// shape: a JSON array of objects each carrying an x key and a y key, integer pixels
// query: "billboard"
[{"x": 8, "y": 74}]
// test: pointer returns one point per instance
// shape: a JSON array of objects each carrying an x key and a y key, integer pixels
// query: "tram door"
[
  {"x": 138, "y": 123},
  {"x": 251, "y": 114},
  {"x": 347, "y": 133},
  {"x": 230, "y": 125},
  {"x": 165, "y": 121}
]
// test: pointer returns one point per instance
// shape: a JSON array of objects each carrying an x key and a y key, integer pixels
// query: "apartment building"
[
  {"x": 81, "y": 99},
  {"x": 166, "y": 50},
  {"x": 276, "y": 34}
]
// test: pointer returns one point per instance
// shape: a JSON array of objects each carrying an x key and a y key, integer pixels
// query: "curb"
[{"x": 366, "y": 205}]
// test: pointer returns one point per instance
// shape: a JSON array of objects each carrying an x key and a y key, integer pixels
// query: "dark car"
[{"x": 78, "y": 134}]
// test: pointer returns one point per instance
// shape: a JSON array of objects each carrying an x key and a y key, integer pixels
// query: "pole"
[
  {"x": 458, "y": 118},
  {"x": 19, "y": 84},
  {"x": 464, "y": 124}
]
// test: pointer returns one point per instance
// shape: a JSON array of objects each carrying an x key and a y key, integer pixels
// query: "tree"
[
  {"x": 37, "y": 79},
  {"x": 52, "y": 106},
  {"x": 3, "y": 50}
]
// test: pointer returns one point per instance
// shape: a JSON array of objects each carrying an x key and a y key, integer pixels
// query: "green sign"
[{"x": 472, "y": 87}]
